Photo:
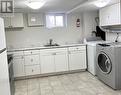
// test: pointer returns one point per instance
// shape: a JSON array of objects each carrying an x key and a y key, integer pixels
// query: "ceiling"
[
  {"x": 89, "y": 6},
  {"x": 50, "y": 6},
  {"x": 67, "y": 6}
]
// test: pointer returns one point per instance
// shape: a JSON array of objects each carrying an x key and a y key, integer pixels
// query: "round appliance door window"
[{"x": 104, "y": 63}]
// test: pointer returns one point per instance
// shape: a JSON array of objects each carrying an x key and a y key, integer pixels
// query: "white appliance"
[
  {"x": 91, "y": 52},
  {"x": 108, "y": 67},
  {"x": 91, "y": 56},
  {"x": 4, "y": 75}
]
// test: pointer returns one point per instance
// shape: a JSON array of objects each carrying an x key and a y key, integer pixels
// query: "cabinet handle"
[
  {"x": 69, "y": 52},
  {"x": 31, "y": 52},
  {"x": 32, "y": 70},
  {"x": 54, "y": 54},
  {"x": 31, "y": 60},
  {"x": 10, "y": 26},
  {"x": 22, "y": 57}
]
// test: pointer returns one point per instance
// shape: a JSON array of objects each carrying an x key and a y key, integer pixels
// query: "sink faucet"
[{"x": 50, "y": 41}]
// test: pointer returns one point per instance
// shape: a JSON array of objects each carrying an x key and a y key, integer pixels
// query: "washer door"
[{"x": 104, "y": 63}]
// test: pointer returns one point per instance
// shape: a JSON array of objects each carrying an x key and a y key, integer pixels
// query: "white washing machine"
[
  {"x": 91, "y": 55},
  {"x": 108, "y": 67}
]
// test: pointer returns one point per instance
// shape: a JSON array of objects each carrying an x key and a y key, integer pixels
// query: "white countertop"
[{"x": 42, "y": 47}]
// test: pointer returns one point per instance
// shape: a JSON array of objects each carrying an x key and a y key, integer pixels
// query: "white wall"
[
  {"x": 37, "y": 36},
  {"x": 89, "y": 23},
  {"x": 40, "y": 35}
]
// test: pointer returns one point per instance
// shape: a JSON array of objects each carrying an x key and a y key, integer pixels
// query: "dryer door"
[{"x": 104, "y": 63}]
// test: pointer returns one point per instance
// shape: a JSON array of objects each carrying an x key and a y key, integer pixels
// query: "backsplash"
[
  {"x": 39, "y": 36},
  {"x": 111, "y": 36}
]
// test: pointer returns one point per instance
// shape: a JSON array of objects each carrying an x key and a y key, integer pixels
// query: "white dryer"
[{"x": 108, "y": 67}]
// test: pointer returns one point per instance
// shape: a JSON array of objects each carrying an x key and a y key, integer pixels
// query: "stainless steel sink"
[{"x": 51, "y": 45}]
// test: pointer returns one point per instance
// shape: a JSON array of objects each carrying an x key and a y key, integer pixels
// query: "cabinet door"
[
  {"x": 47, "y": 63},
  {"x": 104, "y": 16},
  {"x": 61, "y": 61},
  {"x": 77, "y": 60},
  {"x": 7, "y": 22},
  {"x": 35, "y": 19},
  {"x": 32, "y": 60},
  {"x": 110, "y": 15},
  {"x": 115, "y": 14},
  {"x": 18, "y": 66},
  {"x": 17, "y": 20}
]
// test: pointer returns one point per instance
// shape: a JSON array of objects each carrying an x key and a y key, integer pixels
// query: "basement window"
[{"x": 55, "y": 20}]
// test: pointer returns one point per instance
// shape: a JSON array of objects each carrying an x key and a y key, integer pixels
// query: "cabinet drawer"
[
  {"x": 18, "y": 57},
  {"x": 31, "y": 52},
  {"x": 32, "y": 60},
  {"x": 52, "y": 51},
  {"x": 61, "y": 50},
  {"x": 76, "y": 52},
  {"x": 32, "y": 70},
  {"x": 77, "y": 48},
  {"x": 19, "y": 53}
]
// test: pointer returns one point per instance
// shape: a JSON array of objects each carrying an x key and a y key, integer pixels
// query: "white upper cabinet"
[
  {"x": 14, "y": 22},
  {"x": 110, "y": 15},
  {"x": 35, "y": 19},
  {"x": 7, "y": 22}
]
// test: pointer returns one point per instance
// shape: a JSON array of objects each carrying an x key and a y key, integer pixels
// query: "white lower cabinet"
[
  {"x": 32, "y": 62},
  {"x": 77, "y": 58},
  {"x": 32, "y": 70},
  {"x": 27, "y": 63},
  {"x": 47, "y": 63},
  {"x": 18, "y": 66},
  {"x": 61, "y": 61},
  {"x": 54, "y": 60}
]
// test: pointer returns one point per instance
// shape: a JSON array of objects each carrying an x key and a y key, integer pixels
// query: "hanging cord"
[
  {"x": 97, "y": 20},
  {"x": 117, "y": 37}
]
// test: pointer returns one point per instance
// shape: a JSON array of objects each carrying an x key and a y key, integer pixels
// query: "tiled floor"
[{"x": 69, "y": 84}]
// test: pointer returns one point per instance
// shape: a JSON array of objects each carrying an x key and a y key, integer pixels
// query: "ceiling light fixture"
[
  {"x": 35, "y": 4},
  {"x": 101, "y": 3}
]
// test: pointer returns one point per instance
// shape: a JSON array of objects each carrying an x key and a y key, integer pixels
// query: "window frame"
[{"x": 56, "y": 14}]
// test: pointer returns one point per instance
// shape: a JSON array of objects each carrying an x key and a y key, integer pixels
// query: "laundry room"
[{"x": 60, "y": 47}]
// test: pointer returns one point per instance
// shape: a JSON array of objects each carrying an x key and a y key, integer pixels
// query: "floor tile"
[{"x": 82, "y": 83}]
